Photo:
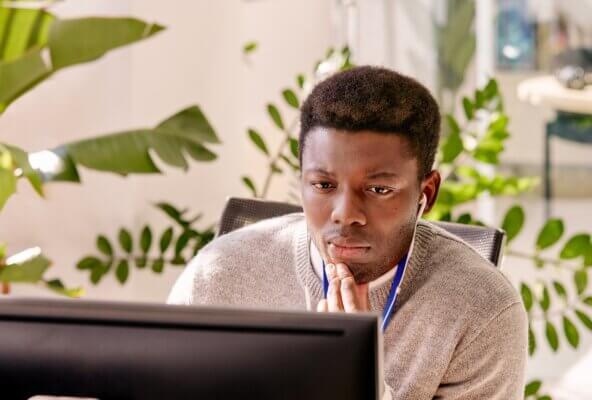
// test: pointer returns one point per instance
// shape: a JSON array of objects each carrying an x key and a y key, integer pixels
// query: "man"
[{"x": 456, "y": 328}]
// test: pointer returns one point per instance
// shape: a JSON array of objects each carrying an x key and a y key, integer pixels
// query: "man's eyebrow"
[
  {"x": 318, "y": 170},
  {"x": 382, "y": 174}
]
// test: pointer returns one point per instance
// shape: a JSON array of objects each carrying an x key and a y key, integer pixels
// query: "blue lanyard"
[{"x": 389, "y": 308}]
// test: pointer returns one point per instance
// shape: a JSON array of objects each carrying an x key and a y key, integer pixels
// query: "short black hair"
[{"x": 375, "y": 99}]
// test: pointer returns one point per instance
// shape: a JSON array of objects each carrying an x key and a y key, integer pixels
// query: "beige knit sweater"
[{"x": 459, "y": 330}]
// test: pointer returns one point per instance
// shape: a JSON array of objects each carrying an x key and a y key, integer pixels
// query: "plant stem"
[
  {"x": 276, "y": 158},
  {"x": 133, "y": 258},
  {"x": 534, "y": 258},
  {"x": 555, "y": 313}
]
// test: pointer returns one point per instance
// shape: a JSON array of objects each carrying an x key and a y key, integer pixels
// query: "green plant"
[
  {"x": 174, "y": 246},
  {"x": 34, "y": 45}
]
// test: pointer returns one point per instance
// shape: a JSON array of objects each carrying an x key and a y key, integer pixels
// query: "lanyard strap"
[{"x": 389, "y": 308}]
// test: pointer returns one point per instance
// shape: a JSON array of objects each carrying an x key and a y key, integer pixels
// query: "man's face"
[{"x": 360, "y": 194}]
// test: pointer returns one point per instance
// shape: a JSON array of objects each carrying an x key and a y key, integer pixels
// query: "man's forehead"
[{"x": 373, "y": 152}]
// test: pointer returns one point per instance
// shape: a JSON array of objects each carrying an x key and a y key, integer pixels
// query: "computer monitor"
[{"x": 109, "y": 350}]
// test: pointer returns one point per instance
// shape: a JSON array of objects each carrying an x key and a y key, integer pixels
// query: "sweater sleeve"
[
  {"x": 199, "y": 283},
  {"x": 492, "y": 365},
  {"x": 182, "y": 291}
]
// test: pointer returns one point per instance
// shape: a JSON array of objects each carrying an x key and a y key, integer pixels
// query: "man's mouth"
[{"x": 347, "y": 250}]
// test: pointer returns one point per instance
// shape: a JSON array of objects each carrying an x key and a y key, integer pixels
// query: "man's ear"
[{"x": 430, "y": 187}]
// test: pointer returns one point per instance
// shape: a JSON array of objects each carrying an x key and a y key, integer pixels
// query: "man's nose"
[{"x": 348, "y": 209}]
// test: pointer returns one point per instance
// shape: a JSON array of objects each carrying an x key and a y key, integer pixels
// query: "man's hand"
[{"x": 344, "y": 294}]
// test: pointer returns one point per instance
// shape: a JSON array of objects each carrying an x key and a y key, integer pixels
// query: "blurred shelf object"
[{"x": 548, "y": 91}]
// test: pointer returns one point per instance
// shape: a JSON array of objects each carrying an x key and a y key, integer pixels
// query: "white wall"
[{"x": 197, "y": 60}]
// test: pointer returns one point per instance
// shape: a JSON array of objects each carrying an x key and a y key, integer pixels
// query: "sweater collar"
[
  {"x": 317, "y": 265},
  {"x": 378, "y": 294}
]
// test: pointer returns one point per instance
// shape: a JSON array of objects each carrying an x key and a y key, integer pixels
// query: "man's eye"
[
  {"x": 380, "y": 190},
  {"x": 322, "y": 185}
]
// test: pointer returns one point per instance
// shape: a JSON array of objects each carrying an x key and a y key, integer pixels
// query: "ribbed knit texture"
[{"x": 459, "y": 330}]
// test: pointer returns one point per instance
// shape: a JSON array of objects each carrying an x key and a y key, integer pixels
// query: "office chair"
[{"x": 239, "y": 212}]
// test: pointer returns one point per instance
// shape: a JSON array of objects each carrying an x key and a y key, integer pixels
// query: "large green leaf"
[
  {"x": 129, "y": 152},
  {"x": 75, "y": 41},
  {"x": 22, "y": 29},
  {"x": 191, "y": 123},
  {"x": 25, "y": 34},
  {"x": 7, "y": 185},
  {"x": 19, "y": 75},
  {"x": 30, "y": 270},
  {"x": 7, "y": 178}
]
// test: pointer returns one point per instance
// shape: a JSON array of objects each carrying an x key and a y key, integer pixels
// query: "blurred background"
[{"x": 525, "y": 140}]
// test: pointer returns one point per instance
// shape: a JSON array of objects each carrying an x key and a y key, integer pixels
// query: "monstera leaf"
[
  {"x": 179, "y": 136},
  {"x": 174, "y": 140},
  {"x": 34, "y": 44}
]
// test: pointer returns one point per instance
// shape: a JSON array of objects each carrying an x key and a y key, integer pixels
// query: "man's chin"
[
  {"x": 361, "y": 273},
  {"x": 366, "y": 273}
]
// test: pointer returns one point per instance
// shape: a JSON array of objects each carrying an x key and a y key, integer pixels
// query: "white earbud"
[
  {"x": 423, "y": 200},
  {"x": 422, "y": 205}
]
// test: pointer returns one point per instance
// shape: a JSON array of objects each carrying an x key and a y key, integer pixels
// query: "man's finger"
[
  {"x": 330, "y": 271},
  {"x": 349, "y": 295},
  {"x": 342, "y": 271},
  {"x": 322, "y": 306},
  {"x": 334, "y": 296}
]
